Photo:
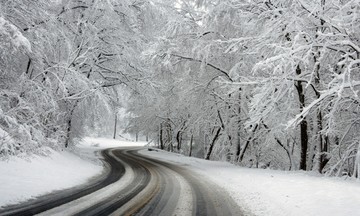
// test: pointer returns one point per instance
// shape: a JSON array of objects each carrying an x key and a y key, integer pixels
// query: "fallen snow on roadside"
[
  {"x": 261, "y": 192},
  {"x": 23, "y": 179},
  {"x": 270, "y": 192}
]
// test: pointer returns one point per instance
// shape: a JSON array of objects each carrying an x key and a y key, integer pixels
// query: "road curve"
[
  {"x": 112, "y": 173},
  {"x": 136, "y": 185}
]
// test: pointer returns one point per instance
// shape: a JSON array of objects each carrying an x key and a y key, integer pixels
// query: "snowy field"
[
  {"x": 275, "y": 193},
  {"x": 261, "y": 192},
  {"x": 23, "y": 179}
]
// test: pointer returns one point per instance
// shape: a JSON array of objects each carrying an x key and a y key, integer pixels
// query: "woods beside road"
[
  {"x": 257, "y": 83},
  {"x": 271, "y": 85}
]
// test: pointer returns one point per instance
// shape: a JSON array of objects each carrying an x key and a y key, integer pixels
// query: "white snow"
[
  {"x": 6, "y": 142},
  {"x": 13, "y": 33},
  {"x": 271, "y": 192},
  {"x": 103, "y": 143},
  {"x": 22, "y": 179},
  {"x": 257, "y": 191}
]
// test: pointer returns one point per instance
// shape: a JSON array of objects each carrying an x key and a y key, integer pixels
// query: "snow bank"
[
  {"x": 270, "y": 192},
  {"x": 22, "y": 179}
]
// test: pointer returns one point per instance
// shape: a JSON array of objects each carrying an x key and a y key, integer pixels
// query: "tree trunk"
[
  {"x": 303, "y": 123},
  {"x": 191, "y": 144},
  {"x": 68, "y": 131},
  {"x": 217, "y": 134},
  {"x": 169, "y": 136},
  {"x": 357, "y": 163},
  {"x": 238, "y": 138},
  {"x": 69, "y": 124},
  {"x": 287, "y": 152},
  {"x": 115, "y": 125},
  {"x": 323, "y": 140},
  {"x": 322, "y": 158},
  {"x": 161, "y": 137},
  {"x": 178, "y": 140},
  {"x": 242, "y": 153}
]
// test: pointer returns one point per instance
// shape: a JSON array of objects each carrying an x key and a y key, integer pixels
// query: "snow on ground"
[
  {"x": 270, "y": 192},
  {"x": 22, "y": 179},
  {"x": 103, "y": 143},
  {"x": 261, "y": 192}
]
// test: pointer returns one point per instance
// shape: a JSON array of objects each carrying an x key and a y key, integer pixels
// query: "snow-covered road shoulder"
[
  {"x": 24, "y": 179},
  {"x": 270, "y": 192}
]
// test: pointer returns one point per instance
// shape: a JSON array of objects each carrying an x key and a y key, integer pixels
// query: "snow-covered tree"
[{"x": 274, "y": 82}]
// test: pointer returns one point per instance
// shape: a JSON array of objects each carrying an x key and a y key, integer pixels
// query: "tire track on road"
[
  {"x": 46, "y": 202},
  {"x": 138, "y": 185}
]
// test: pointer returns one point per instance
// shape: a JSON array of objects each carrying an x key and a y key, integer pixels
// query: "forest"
[{"x": 259, "y": 83}]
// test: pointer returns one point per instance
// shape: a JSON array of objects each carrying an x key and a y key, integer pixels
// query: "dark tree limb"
[{"x": 223, "y": 72}]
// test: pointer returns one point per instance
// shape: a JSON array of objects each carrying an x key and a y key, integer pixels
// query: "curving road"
[{"x": 135, "y": 185}]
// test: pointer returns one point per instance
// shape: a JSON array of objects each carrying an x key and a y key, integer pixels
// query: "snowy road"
[{"x": 135, "y": 185}]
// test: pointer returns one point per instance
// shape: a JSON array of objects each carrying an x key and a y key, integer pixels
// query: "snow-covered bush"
[
  {"x": 7, "y": 144},
  {"x": 21, "y": 124},
  {"x": 10, "y": 33},
  {"x": 26, "y": 105}
]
